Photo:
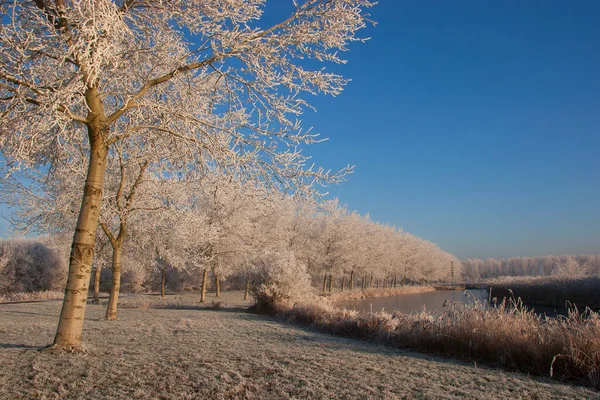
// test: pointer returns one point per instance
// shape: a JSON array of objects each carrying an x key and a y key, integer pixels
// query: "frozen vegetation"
[{"x": 202, "y": 354}]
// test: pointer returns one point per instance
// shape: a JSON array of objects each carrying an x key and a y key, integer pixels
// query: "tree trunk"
[
  {"x": 385, "y": 282},
  {"x": 377, "y": 283},
  {"x": 351, "y": 280},
  {"x": 403, "y": 280},
  {"x": 247, "y": 289},
  {"x": 371, "y": 281},
  {"x": 343, "y": 281},
  {"x": 394, "y": 281},
  {"x": 163, "y": 278},
  {"x": 70, "y": 324},
  {"x": 330, "y": 284},
  {"x": 97, "y": 285},
  {"x": 203, "y": 290},
  {"x": 324, "y": 283},
  {"x": 217, "y": 286},
  {"x": 113, "y": 299}
]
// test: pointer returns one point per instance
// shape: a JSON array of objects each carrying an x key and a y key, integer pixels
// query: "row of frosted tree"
[
  {"x": 564, "y": 265},
  {"x": 216, "y": 226}
]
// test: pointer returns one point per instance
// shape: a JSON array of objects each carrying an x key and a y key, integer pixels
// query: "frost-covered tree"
[{"x": 204, "y": 79}]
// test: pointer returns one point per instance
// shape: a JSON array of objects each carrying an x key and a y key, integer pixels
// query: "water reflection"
[
  {"x": 431, "y": 301},
  {"x": 414, "y": 302}
]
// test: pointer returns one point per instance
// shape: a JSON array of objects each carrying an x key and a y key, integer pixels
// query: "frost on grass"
[{"x": 206, "y": 354}]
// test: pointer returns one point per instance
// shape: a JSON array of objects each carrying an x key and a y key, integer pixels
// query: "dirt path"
[{"x": 207, "y": 354}]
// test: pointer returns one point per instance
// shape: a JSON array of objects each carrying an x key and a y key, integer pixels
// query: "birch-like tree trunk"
[
  {"x": 247, "y": 291},
  {"x": 70, "y": 324},
  {"x": 97, "y": 285},
  {"x": 203, "y": 290},
  {"x": 163, "y": 278},
  {"x": 217, "y": 286},
  {"x": 113, "y": 299}
]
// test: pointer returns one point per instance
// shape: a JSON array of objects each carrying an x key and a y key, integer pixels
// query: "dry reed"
[{"x": 508, "y": 335}]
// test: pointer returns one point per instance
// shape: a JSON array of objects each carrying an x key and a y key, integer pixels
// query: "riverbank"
[
  {"x": 549, "y": 291},
  {"x": 208, "y": 354},
  {"x": 373, "y": 293}
]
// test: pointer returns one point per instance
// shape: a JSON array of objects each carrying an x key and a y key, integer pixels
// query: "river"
[{"x": 431, "y": 301}]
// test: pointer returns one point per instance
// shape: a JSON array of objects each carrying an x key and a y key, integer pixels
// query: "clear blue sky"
[{"x": 473, "y": 124}]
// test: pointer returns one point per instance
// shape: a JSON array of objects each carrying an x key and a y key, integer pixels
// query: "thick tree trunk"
[
  {"x": 70, "y": 324},
  {"x": 217, "y": 286},
  {"x": 330, "y": 282},
  {"x": 324, "y": 283},
  {"x": 113, "y": 299},
  {"x": 351, "y": 280},
  {"x": 343, "y": 281},
  {"x": 163, "y": 278},
  {"x": 247, "y": 291},
  {"x": 97, "y": 285},
  {"x": 203, "y": 290}
]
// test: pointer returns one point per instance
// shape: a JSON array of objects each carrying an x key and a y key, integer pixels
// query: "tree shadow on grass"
[
  {"x": 20, "y": 346},
  {"x": 28, "y": 312}
]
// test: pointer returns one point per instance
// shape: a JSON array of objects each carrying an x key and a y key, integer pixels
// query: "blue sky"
[
  {"x": 472, "y": 124},
  {"x": 475, "y": 125}
]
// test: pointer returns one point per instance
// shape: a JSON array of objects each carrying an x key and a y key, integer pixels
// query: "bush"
[
  {"x": 28, "y": 265},
  {"x": 278, "y": 281}
]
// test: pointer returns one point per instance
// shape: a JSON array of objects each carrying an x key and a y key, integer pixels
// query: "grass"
[
  {"x": 509, "y": 335},
  {"x": 550, "y": 291},
  {"x": 232, "y": 354}
]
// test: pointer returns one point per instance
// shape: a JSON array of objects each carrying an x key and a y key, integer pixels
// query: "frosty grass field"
[{"x": 200, "y": 353}]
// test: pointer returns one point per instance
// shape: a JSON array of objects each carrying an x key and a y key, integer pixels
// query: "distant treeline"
[{"x": 565, "y": 265}]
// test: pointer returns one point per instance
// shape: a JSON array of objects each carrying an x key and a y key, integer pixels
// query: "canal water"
[
  {"x": 433, "y": 302},
  {"x": 414, "y": 302}
]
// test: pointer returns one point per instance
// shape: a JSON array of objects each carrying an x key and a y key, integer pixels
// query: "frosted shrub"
[
  {"x": 279, "y": 281},
  {"x": 28, "y": 265}
]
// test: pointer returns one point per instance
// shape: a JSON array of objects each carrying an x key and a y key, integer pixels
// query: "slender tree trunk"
[
  {"x": 324, "y": 283},
  {"x": 163, "y": 278},
  {"x": 343, "y": 281},
  {"x": 113, "y": 299},
  {"x": 371, "y": 281},
  {"x": 403, "y": 280},
  {"x": 203, "y": 290},
  {"x": 247, "y": 291},
  {"x": 362, "y": 283},
  {"x": 330, "y": 283},
  {"x": 377, "y": 283},
  {"x": 385, "y": 282},
  {"x": 351, "y": 280},
  {"x": 70, "y": 324},
  {"x": 97, "y": 285},
  {"x": 217, "y": 286},
  {"x": 394, "y": 281}
]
